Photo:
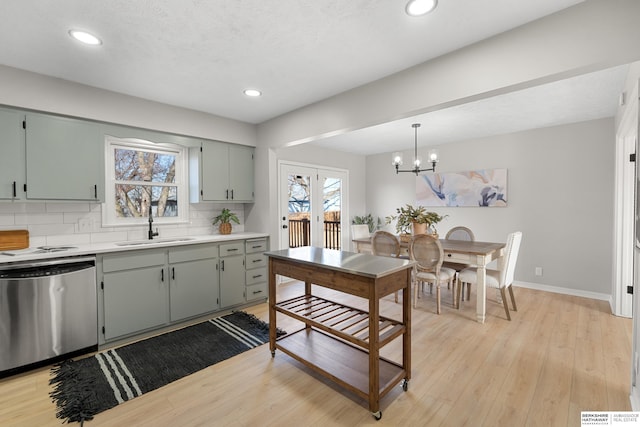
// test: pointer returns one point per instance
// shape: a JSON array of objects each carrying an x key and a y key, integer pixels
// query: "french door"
[{"x": 312, "y": 204}]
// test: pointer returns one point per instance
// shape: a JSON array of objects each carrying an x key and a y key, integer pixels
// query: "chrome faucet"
[{"x": 151, "y": 232}]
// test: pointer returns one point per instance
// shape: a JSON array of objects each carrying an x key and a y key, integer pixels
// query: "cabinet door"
[
  {"x": 232, "y": 281},
  {"x": 215, "y": 171},
  {"x": 241, "y": 173},
  {"x": 194, "y": 288},
  {"x": 64, "y": 159},
  {"x": 12, "y": 169},
  {"x": 134, "y": 300}
]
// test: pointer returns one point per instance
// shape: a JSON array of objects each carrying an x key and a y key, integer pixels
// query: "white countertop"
[{"x": 102, "y": 248}]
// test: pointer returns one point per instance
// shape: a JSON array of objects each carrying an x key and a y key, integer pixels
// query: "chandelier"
[{"x": 417, "y": 161}]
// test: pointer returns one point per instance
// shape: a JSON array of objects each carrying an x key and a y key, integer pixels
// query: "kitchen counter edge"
[{"x": 112, "y": 247}]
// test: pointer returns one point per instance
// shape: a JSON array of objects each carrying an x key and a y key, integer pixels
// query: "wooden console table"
[{"x": 340, "y": 342}]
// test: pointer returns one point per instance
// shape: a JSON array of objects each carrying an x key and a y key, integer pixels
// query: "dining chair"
[
  {"x": 500, "y": 279},
  {"x": 460, "y": 233},
  {"x": 427, "y": 251},
  {"x": 384, "y": 243},
  {"x": 359, "y": 231}
]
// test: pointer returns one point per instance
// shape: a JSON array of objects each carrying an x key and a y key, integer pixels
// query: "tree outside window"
[{"x": 143, "y": 178}]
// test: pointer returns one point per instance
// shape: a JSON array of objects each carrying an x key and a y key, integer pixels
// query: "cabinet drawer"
[
  {"x": 256, "y": 276},
  {"x": 460, "y": 258},
  {"x": 129, "y": 260},
  {"x": 193, "y": 253},
  {"x": 256, "y": 245},
  {"x": 235, "y": 248},
  {"x": 258, "y": 291},
  {"x": 256, "y": 261}
]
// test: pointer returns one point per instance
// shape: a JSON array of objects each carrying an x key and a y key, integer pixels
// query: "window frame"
[{"x": 109, "y": 217}]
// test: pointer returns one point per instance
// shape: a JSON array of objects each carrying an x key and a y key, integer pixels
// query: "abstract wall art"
[{"x": 484, "y": 188}]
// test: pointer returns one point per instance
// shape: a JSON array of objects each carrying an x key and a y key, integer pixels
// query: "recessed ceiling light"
[
  {"x": 85, "y": 37},
  {"x": 420, "y": 7},
  {"x": 252, "y": 92}
]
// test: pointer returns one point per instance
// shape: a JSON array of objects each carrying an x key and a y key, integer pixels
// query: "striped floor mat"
[{"x": 85, "y": 387}]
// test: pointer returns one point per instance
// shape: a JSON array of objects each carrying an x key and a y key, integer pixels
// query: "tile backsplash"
[{"x": 51, "y": 223}]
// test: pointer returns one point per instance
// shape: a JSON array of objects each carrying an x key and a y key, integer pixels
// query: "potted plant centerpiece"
[
  {"x": 225, "y": 218},
  {"x": 415, "y": 219}
]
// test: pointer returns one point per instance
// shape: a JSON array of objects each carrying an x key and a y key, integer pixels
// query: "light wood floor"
[{"x": 559, "y": 355}]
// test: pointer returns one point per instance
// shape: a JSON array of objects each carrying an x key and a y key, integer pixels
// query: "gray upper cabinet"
[
  {"x": 64, "y": 159},
  {"x": 12, "y": 167},
  {"x": 221, "y": 172}
]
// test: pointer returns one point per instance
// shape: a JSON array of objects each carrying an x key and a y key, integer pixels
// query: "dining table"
[{"x": 474, "y": 253}]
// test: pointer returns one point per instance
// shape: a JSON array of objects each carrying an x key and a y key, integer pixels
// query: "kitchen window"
[{"x": 143, "y": 176}]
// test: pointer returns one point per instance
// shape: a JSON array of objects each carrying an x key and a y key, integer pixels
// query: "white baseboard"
[{"x": 565, "y": 291}]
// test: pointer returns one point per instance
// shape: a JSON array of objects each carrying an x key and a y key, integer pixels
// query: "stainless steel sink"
[{"x": 155, "y": 241}]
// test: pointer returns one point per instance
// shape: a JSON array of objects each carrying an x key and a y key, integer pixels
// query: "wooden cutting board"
[{"x": 14, "y": 239}]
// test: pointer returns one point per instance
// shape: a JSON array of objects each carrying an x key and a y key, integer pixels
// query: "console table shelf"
[
  {"x": 348, "y": 323},
  {"x": 343, "y": 363}
]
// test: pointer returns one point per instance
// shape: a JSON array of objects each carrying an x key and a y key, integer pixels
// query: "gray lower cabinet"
[
  {"x": 135, "y": 292},
  {"x": 232, "y": 274},
  {"x": 194, "y": 281},
  {"x": 148, "y": 289}
]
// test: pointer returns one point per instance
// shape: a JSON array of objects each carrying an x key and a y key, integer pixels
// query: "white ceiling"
[{"x": 201, "y": 54}]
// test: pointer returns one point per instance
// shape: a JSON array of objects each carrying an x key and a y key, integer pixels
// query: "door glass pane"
[
  {"x": 332, "y": 207},
  {"x": 299, "y": 189}
]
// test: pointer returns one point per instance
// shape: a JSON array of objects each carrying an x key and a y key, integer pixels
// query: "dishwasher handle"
[{"x": 46, "y": 268}]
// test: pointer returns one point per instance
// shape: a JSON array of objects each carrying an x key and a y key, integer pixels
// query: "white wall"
[
  {"x": 630, "y": 84},
  {"x": 19, "y": 88},
  {"x": 560, "y": 195}
]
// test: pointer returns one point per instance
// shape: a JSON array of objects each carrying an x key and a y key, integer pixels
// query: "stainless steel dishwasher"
[{"x": 48, "y": 311}]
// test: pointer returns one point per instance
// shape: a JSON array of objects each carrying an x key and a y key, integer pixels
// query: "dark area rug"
[{"x": 85, "y": 387}]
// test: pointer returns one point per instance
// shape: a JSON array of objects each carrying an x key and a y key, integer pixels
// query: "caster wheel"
[
  {"x": 377, "y": 415},
  {"x": 405, "y": 385}
]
